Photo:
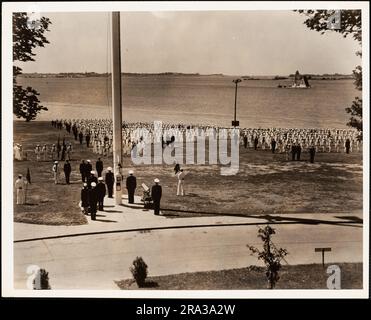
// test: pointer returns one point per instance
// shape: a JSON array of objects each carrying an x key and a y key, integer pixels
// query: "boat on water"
[{"x": 300, "y": 82}]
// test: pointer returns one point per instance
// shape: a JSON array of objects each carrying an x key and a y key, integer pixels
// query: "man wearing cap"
[
  {"x": 38, "y": 152},
  {"x": 85, "y": 199},
  {"x": 180, "y": 189},
  {"x": 20, "y": 186},
  {"x": 83, "y": 170},
  {"x": 110, "y": 180},
  {"x": 67, "y": 171},
  {"x": 88, "y": 169},
  {"x": 101, "y": 192},
  {"x": 131, "y": 184},
  {"x": 53, "y": 151},
  {"x": 44, "y": 152},
  {"x": 99, "y": 167},
  {"x": 92, "y": 178},
  {"x": 156, "y": 194},
  {"x": 93, "y": 199},
  {"x": 69, "y": 151},
  {"x": 55, "y": 172}
]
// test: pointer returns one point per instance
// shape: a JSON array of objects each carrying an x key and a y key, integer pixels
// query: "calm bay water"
[{"x": 199, "y": 99}]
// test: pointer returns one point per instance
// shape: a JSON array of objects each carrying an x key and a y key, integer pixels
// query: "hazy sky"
[{"x": 234, "y": 42}]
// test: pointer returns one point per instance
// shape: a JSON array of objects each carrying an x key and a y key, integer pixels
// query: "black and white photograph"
[{"x": 169, "y": 150}]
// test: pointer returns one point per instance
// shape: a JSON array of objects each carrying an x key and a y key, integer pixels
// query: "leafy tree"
[
  {"x": 350, "y": 25},
  {"x": 26, "y": 37},
  {"x": 270, "y": 255}
]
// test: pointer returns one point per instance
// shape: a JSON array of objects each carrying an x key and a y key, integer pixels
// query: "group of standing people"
[
  {"x": 66, "y": 169},
  {"x": 54, "y": 152},
  {"x": 92, "y": 196}
]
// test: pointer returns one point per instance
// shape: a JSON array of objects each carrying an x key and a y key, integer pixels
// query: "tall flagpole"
[{"x": 116, "y": 105}]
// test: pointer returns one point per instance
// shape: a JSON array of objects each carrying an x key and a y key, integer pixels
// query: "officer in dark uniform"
[
  {"x": 99, "y": 167},
  {"x": 92, "y": 178},
  {"x": 110, "y": 180},
  {"x": 87, "y": 139},
  {"x": 67, "y": 171},
  {"x": 81, "y": 136},
  {"x": 273, "y": 144},
  {"x": 101, "y": 192},
  {"x": 176, "y": 168},
  {"x": 93, "y": 199},
  {"x": 83, "y": 170},
  {"x": 88, "y": 169},
  {"x": 347, "y": 145},
  {"x": 312, "y": 152},
  {"x": 85, "y": 199},
  {"x": 245, "y": 141},
  {"x": 293, "y": 151},
  {"x": 298, "y": 151},
  {"x": 256, "y": 141},
  {"x": 156, "y": 194},
  {"x": 131, "y": 184}
]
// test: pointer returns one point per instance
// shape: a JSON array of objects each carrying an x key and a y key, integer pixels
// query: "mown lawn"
[
  {"x": 266, "y": 183},
  {"x": 306, "y": 276}
]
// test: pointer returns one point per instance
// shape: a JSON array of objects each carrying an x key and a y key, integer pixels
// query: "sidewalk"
[{"x": 133, "y": 217}]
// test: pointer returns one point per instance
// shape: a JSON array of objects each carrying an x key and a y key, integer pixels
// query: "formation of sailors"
[
  {"x": 54, "y": 152},
  {"x": 283, "y": 140},
  {"x": 97, "y": 134}
]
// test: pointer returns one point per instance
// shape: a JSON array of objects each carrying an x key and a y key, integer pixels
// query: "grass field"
[
  {"x": 266, "y": 183},
  {"x": 309, "y": 276}
]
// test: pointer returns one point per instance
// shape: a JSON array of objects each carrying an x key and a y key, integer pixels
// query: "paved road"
[{"x": 96, "y": 261}]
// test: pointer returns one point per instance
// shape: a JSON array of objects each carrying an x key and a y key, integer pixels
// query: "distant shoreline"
[{"x": 325, "y": 76}]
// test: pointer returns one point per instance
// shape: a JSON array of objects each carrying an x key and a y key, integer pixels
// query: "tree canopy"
[
  {"x": 350, "y": 24},
  {"x": 26, "y": 37}
]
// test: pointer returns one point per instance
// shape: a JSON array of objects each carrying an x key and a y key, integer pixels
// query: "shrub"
[
  {"x": 139, "y": 271},
  {"x": 270, "y": 255},
  {"x": 41, "y": 281}
]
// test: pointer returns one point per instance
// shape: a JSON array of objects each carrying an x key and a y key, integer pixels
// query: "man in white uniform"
[
  {"x": 20, "y": 186},
  {"x": 55, "y": 172},
  {"x": 180, "y": 190}
]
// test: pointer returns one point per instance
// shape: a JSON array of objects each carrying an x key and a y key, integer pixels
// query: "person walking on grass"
[
  {"x": 88, "y": 169},
  {"x": 55, "y": 170},
  {"x": 273, "y": 145},
  {"x": 156, "y": 194},
  {"x": 298, "y": 151},
  {"x": 312, "y": 153},
  {"x": 38, "y": 152},
  {"x": 53, "y": 152},
  {"x": 347, "y": 146},
  {"x": 81, "y": 136},
  {"x": 82, "y": 169},
  {"x": 99, "y": 167},
  {"x": 20, "y": 186},
  {"x": 44, "y": 151},
  {"x": 67, "y": 171},
  {"x": 180, "y": 188}
]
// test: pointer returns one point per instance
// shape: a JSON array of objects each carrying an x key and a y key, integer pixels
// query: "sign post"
[{"x": 323, "y": 250}]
